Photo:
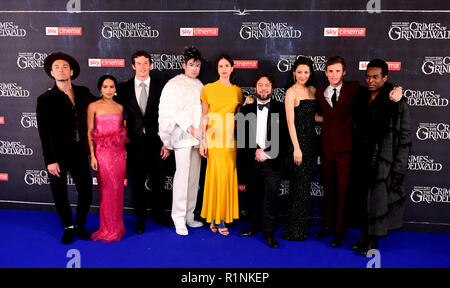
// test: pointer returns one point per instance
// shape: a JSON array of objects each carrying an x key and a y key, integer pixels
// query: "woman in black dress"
[{"x": 301, "y": 107}]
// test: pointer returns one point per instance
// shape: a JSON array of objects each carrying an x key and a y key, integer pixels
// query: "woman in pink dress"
[{"x": 107, "y": 138}]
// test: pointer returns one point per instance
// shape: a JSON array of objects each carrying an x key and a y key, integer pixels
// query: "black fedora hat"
[{"x": 48, "y": 62}]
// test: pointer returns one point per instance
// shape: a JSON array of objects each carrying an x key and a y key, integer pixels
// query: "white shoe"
[
  {"x": 194, "y": 224},
  {"x": 181, "y": 230}
]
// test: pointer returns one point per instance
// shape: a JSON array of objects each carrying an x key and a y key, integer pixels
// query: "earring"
[
  {"x": 100, "y": 94},
  {"x": 295, "y": 79},
  {"x": 115, "y": 93}
]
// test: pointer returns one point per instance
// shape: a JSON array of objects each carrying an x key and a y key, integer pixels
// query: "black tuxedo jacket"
[
  {"x": 248, "y": 153},
  {"x": 135, "y": 120},
  {"x": 59, "y": 122}
]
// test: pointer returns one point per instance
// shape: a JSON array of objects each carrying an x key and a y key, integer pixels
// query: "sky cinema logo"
[
  {"x": 418, "y": 31},
  {"x": 245, "y": 64},
  {"x": 94, "y": 62},
  {"x": 167, "y": 61},
  {"x": 4, "y": 177},
  {"x": 13, "y": 90},
  {"x": 392, "y": 66},
  {"x": 199, "y": 32},
  {"x": 286, "y": 62},
  {"x": 263, "y": 30},
  {"x": 344, "y": 32},
  {"x": 8, "y": 29},
  {"x": 63, "y": 31},
  {"x": 128, "y": 30}
]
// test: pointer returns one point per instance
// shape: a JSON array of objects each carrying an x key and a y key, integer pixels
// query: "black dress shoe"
[
  {"x": 250, "y": 231},
  {"x": 357, "y": 246},
  {"x": 324, "y": 232},
  {"x": 369, "y": 244},
  {"x": 67, "y": 238},
  {"x": 272, "y": 242},
  {"x": 337, "y": 241},
  {"x": 140, "y": 228},
  {"x": 82, "y": 233}
]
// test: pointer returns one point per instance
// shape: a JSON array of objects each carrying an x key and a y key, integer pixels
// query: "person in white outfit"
[{"x": 179, "y": 130}]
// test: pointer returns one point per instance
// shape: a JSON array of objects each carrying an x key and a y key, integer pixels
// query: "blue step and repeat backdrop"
[{"x": 412, "y": 36}]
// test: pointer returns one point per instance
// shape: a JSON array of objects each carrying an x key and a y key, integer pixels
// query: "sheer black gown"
[{"x": 300, "y": 186}]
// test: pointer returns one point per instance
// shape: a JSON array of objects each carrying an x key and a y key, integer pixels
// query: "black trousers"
[
  {"x": 77, "y": 164},
  {"x": 263, "y": 188},
  {"x": 145, "y": 171}
]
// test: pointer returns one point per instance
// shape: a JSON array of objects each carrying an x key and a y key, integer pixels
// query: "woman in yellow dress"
[{"x": 220, "y": 101}]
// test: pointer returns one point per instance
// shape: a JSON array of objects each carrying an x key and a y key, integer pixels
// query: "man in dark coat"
[
  {"x": 263, "y": 159},
  {"x": 61, "y": 118},
  {"x": 381, "y": 147},
  {"x": 140, "y": 99}
]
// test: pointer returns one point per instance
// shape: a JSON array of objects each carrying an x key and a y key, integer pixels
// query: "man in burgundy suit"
[{"x": 336, "y": 102}]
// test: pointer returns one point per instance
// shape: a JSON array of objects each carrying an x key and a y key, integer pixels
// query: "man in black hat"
[{"x": 61, "y": 117}]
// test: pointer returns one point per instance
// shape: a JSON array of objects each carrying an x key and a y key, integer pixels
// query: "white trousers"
[{"x": 185, "y": 184}]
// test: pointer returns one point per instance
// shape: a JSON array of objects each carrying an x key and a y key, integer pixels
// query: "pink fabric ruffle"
[{"x": 113, "y": 138}]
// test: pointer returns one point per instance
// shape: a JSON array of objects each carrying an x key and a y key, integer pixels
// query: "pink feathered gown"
[{"x": 110, "y": 137}]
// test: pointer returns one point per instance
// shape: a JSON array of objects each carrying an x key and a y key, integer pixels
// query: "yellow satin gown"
[{"x": 220, "y": 194}]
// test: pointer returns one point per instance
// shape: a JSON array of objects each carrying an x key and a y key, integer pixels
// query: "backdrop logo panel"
[
  {"x": 28, "y": 120},
  {"x": 258, "y": 30},
  {"x": 36, "y": 177},
  {"x": 63, "y": 31},
  {"x": 285, "y": 62},
  {"x": 14, "y": 148},
  {"x": 167, "y": 61},
  {"x": 3, "y": 176},
  {"x": 423, "y": 163},
  {"x": 128, "y": 30},
  {"x": 13, "y": 90},
  {"x": 31, "y": 60},
  {"x": 2, "y": 120},
  {"x": 316, "y": 189},
  {"x": 40, "y": 177},
  {"x": 245, "y": 64},
  {"x": 433, "y": 131},
  {"x": 199, "y": 32},
  {"x": 9, "y": 29},
  {"x": 436, "y": 65},
  {"x": 344, "y": 32},
  {"x": 430, "y": 195},
  {"x": 424, "y": 98},
  {"x": 414, "y": 30},
  {"x": 94, "y": 62},
  {"x": 392, "y": 66}
]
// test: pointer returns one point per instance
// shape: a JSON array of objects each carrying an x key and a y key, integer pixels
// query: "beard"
[{"x": 264, "y": 98}]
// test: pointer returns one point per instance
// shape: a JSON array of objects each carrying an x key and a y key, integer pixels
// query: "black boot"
[{"x": 370, "y": 243}]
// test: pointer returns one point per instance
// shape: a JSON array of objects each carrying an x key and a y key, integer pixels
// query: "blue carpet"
[{"x": 32, "y": 239}]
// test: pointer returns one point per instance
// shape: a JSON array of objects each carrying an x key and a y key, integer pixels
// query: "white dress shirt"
[
  {"x": 329, "y": 92},
  {"x": 261, "y": 128}
]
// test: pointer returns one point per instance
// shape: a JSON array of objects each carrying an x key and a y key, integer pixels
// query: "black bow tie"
[{"x": 261, "y": 106}]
